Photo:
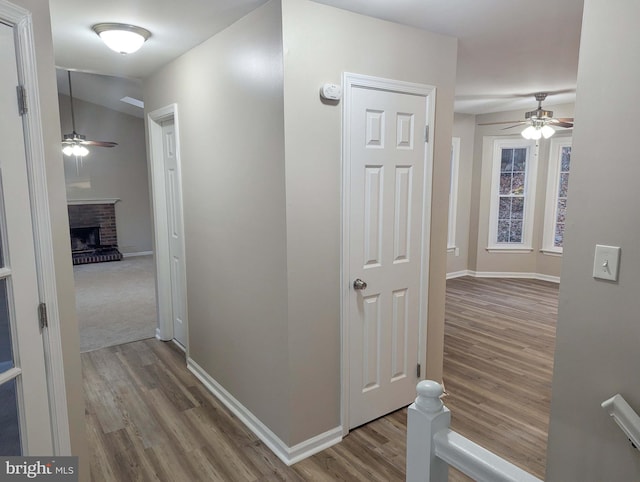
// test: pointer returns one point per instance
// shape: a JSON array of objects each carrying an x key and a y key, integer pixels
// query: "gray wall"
[
  {"x": 230, "y": 112},
  {"x": 598, "y": 335},
  {"x": 60, "y": 228},
  {"x": 245, "y": 97},
  {"x": 117, "y": 172},
  {"x": 463, "y": 127}
]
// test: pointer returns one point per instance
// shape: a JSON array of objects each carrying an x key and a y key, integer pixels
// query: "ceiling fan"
[
  {"x": 540, "y": 122},
  {"x": 74, "y": 144}
]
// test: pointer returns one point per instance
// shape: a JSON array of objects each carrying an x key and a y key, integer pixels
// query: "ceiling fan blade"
[
  {"x": 562, "y": 124},
  {"x": 503, "y": 122},
  {"x": 511, "y": 127},
  {"x": 564, "y": 119},
  {"x": 99, "y": 143}
]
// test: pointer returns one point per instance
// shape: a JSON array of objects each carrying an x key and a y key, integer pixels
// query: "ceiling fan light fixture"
[
  {"x": 75, "y": 150},
  {"x": 74, "y": 144},
  {"x": 547, "y": 131},
  {"x": 540, "y": 122},
  {"x": 537, "y": 131},
  {"x": 122, "y": 38},
  {"x": 529, "y": 133}
]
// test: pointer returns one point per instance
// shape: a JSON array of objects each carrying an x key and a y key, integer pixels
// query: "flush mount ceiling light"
[{"x": 121, "y": 38}]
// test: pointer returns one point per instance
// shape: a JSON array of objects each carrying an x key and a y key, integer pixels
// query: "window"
[
  {"x": 453, "y": 193},
  {"x": 512, "y": 195},
  {"x": 556, "y": 201}
]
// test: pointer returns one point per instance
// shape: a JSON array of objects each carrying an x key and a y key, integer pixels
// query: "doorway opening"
[{"x": 109, "y": 210}]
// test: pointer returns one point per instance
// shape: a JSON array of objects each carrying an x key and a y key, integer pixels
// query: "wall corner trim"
[{"x": 289, "y": 455}]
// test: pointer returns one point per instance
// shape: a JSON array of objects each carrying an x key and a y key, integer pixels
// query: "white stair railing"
[
  {"x": 626, "y": 418},
  {"x": 432, "y": 447}
]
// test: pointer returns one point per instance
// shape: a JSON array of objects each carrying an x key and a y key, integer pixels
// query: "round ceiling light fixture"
[{"x": 122, "y": 38}]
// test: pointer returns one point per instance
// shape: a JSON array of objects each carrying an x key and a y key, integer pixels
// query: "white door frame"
[
  {"x": 161, "y": 221},
  {"x": 37, "y": 175},
  {"x": 350, "y": 81}
]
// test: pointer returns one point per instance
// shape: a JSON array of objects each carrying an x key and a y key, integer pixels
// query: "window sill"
[
  {"x": 509, "y": 249},
  {"x": 552, "y": 252}
]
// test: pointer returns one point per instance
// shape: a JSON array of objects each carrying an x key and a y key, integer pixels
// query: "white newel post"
[{"x": 426, "y": 417}]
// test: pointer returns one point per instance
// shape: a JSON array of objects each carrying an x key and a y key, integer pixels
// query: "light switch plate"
[{"x": 606, "y": 262}]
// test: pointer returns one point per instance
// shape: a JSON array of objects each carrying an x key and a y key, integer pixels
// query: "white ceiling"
[
  {"x": 507, "y": 50},
  {"x": 175, "y": 26}
]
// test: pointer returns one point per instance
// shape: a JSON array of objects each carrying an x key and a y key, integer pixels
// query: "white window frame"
[
  {"x": 453, "y": 194},
  {"x": 531, "y": 172},
  {"x": 551, "y": 200}
]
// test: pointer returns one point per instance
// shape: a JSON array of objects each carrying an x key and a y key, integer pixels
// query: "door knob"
[{"x": 358, "y": 284}]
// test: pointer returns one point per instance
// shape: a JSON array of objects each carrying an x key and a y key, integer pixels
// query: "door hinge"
[
  {"x": 22, "y": 99},
  {"x": 418, "y": 370},
  {"x": 426, "y": 133},
  {"x": 42, "y": 316}
]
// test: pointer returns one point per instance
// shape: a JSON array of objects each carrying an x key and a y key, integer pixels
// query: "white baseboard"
[
  {"x": 133, "y": 255},
  {"x": 547, "y": 277},
  {"x": 289, "y": 455},
  {"x": 503, "y": 274},
  {"x": 179, "y": 345},
  {"x": 514, "y": 274},
  {"x": 458, "y": 274}
]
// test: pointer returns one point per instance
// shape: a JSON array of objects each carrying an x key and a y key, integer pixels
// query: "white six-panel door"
[
  {"x": 176, "y": 248},
  {"x": 386, "y": 191}
]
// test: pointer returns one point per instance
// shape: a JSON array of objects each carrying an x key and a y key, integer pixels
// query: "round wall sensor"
[{"x": 331, "y": 92}]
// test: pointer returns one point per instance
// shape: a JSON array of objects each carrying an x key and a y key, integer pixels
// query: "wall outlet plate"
[{"x": 606, "y": 262}]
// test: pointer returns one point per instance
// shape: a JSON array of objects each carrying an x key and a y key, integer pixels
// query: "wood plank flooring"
[
  {"x": 498, "y": 364},
  {"x": 149, "y": 418}
]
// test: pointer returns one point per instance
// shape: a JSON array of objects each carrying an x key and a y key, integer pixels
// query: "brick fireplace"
[{"x": 94, "y": 238}]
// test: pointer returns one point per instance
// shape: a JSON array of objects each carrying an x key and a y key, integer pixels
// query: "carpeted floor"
[{"x": 115, "y": 302}]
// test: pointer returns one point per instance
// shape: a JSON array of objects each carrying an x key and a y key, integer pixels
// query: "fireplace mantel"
[{"x": 79, "y": 202}]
